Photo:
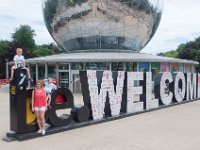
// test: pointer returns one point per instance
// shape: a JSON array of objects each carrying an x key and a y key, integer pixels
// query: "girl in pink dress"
[{"x": 39, "y": 105}]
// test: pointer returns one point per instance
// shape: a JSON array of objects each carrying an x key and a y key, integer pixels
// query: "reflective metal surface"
[{"x": 102, "y": 24}]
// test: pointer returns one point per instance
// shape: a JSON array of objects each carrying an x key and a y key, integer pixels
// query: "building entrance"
[
  {"x": 76, "y": 84},
  {"x": 63, "y": 79}
]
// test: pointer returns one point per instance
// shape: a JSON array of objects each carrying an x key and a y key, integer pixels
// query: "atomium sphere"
[{"x": 102, "y": 24}]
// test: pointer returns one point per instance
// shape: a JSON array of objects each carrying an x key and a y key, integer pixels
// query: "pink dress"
[{"x": 39, "y": 98}]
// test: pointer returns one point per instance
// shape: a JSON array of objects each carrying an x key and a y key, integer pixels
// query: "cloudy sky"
[{"x": 180, "y": 23}]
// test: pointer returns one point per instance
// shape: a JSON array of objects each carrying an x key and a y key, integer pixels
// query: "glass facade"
[
  {"x": 77, "y": 66},
  {"x": 97, "y": 66},
  {"x": 131, "y": 66},
  {"x": 76, "y": 83},
  {"x": 174, "y": 67},
  {"x": 180, "y": 67},
  {"x": 102, "y": 24},
  {"x": 69, "y": 77},
  {"x": 165, "y": 67},
  {"x": 117, "y": 66},
  {"x": 63, "y": 66},
  {"x": 41, "y": 72},
  {"x": 155, "y": 69},
  {"x": 144, "y": 67},
  {"x": 33, "y": 73},
  {"x": 63, "y": 79},
  {"x": 187, "y": 68},
  {"x": 51, "y": 71}
]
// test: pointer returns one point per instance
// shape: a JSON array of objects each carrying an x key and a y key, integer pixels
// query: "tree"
[
  {"x": 47, "y": 49},
  {"x": 189, "y": 50},
  {"x": 53, "y": 47},
  {"x": 181, "y": 47},
  {"x": 4, "y": 46},
  {"x": 172, "y": 53},
  {"x": 42, "y": 51},
  {"x": 24, "y": 37}
]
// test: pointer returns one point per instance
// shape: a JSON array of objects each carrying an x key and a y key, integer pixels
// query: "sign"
[
  {"x": 131, "y": 92},
  {"x": 106, "y": 94}
]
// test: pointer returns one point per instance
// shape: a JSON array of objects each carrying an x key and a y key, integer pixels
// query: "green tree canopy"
[
  {"x": 24, "y": 37},
  {"x": 172, "y": 53},
  {"x": 40, "y": 51},
  {"x": 189, "y": 50},
  {"x": 4, "y": 46},
  {"x": 45, "y": 50}
]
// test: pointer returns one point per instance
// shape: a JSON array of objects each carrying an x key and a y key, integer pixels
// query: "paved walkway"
[{"x": 174, "y": 128}]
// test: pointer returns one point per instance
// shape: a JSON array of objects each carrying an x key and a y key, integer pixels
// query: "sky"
[{"x": 180, "y": 23}]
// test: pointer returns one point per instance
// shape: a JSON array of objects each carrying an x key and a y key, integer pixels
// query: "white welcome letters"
[{"x": 174, "y": 87}]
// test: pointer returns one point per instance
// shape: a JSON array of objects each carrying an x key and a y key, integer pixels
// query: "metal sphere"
[{"x": 102, "y": 24}]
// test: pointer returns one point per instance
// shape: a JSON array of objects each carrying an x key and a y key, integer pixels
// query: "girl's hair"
[{"x": 40, "y": 82}]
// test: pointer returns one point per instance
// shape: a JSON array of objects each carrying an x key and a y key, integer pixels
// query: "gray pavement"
[{"x": 174, "y": 128}]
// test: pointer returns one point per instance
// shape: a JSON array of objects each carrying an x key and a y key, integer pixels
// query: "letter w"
[{"x": 98, "y": 99}]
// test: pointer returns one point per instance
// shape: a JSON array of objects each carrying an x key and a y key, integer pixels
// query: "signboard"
[
  {"x": 174, "y": 67},
  {"x": 187, "y": 68},
  {"x": 144, "y": 67},
  {"x": 165, "y": 67},
  {"x": 106, "y": 95}
]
